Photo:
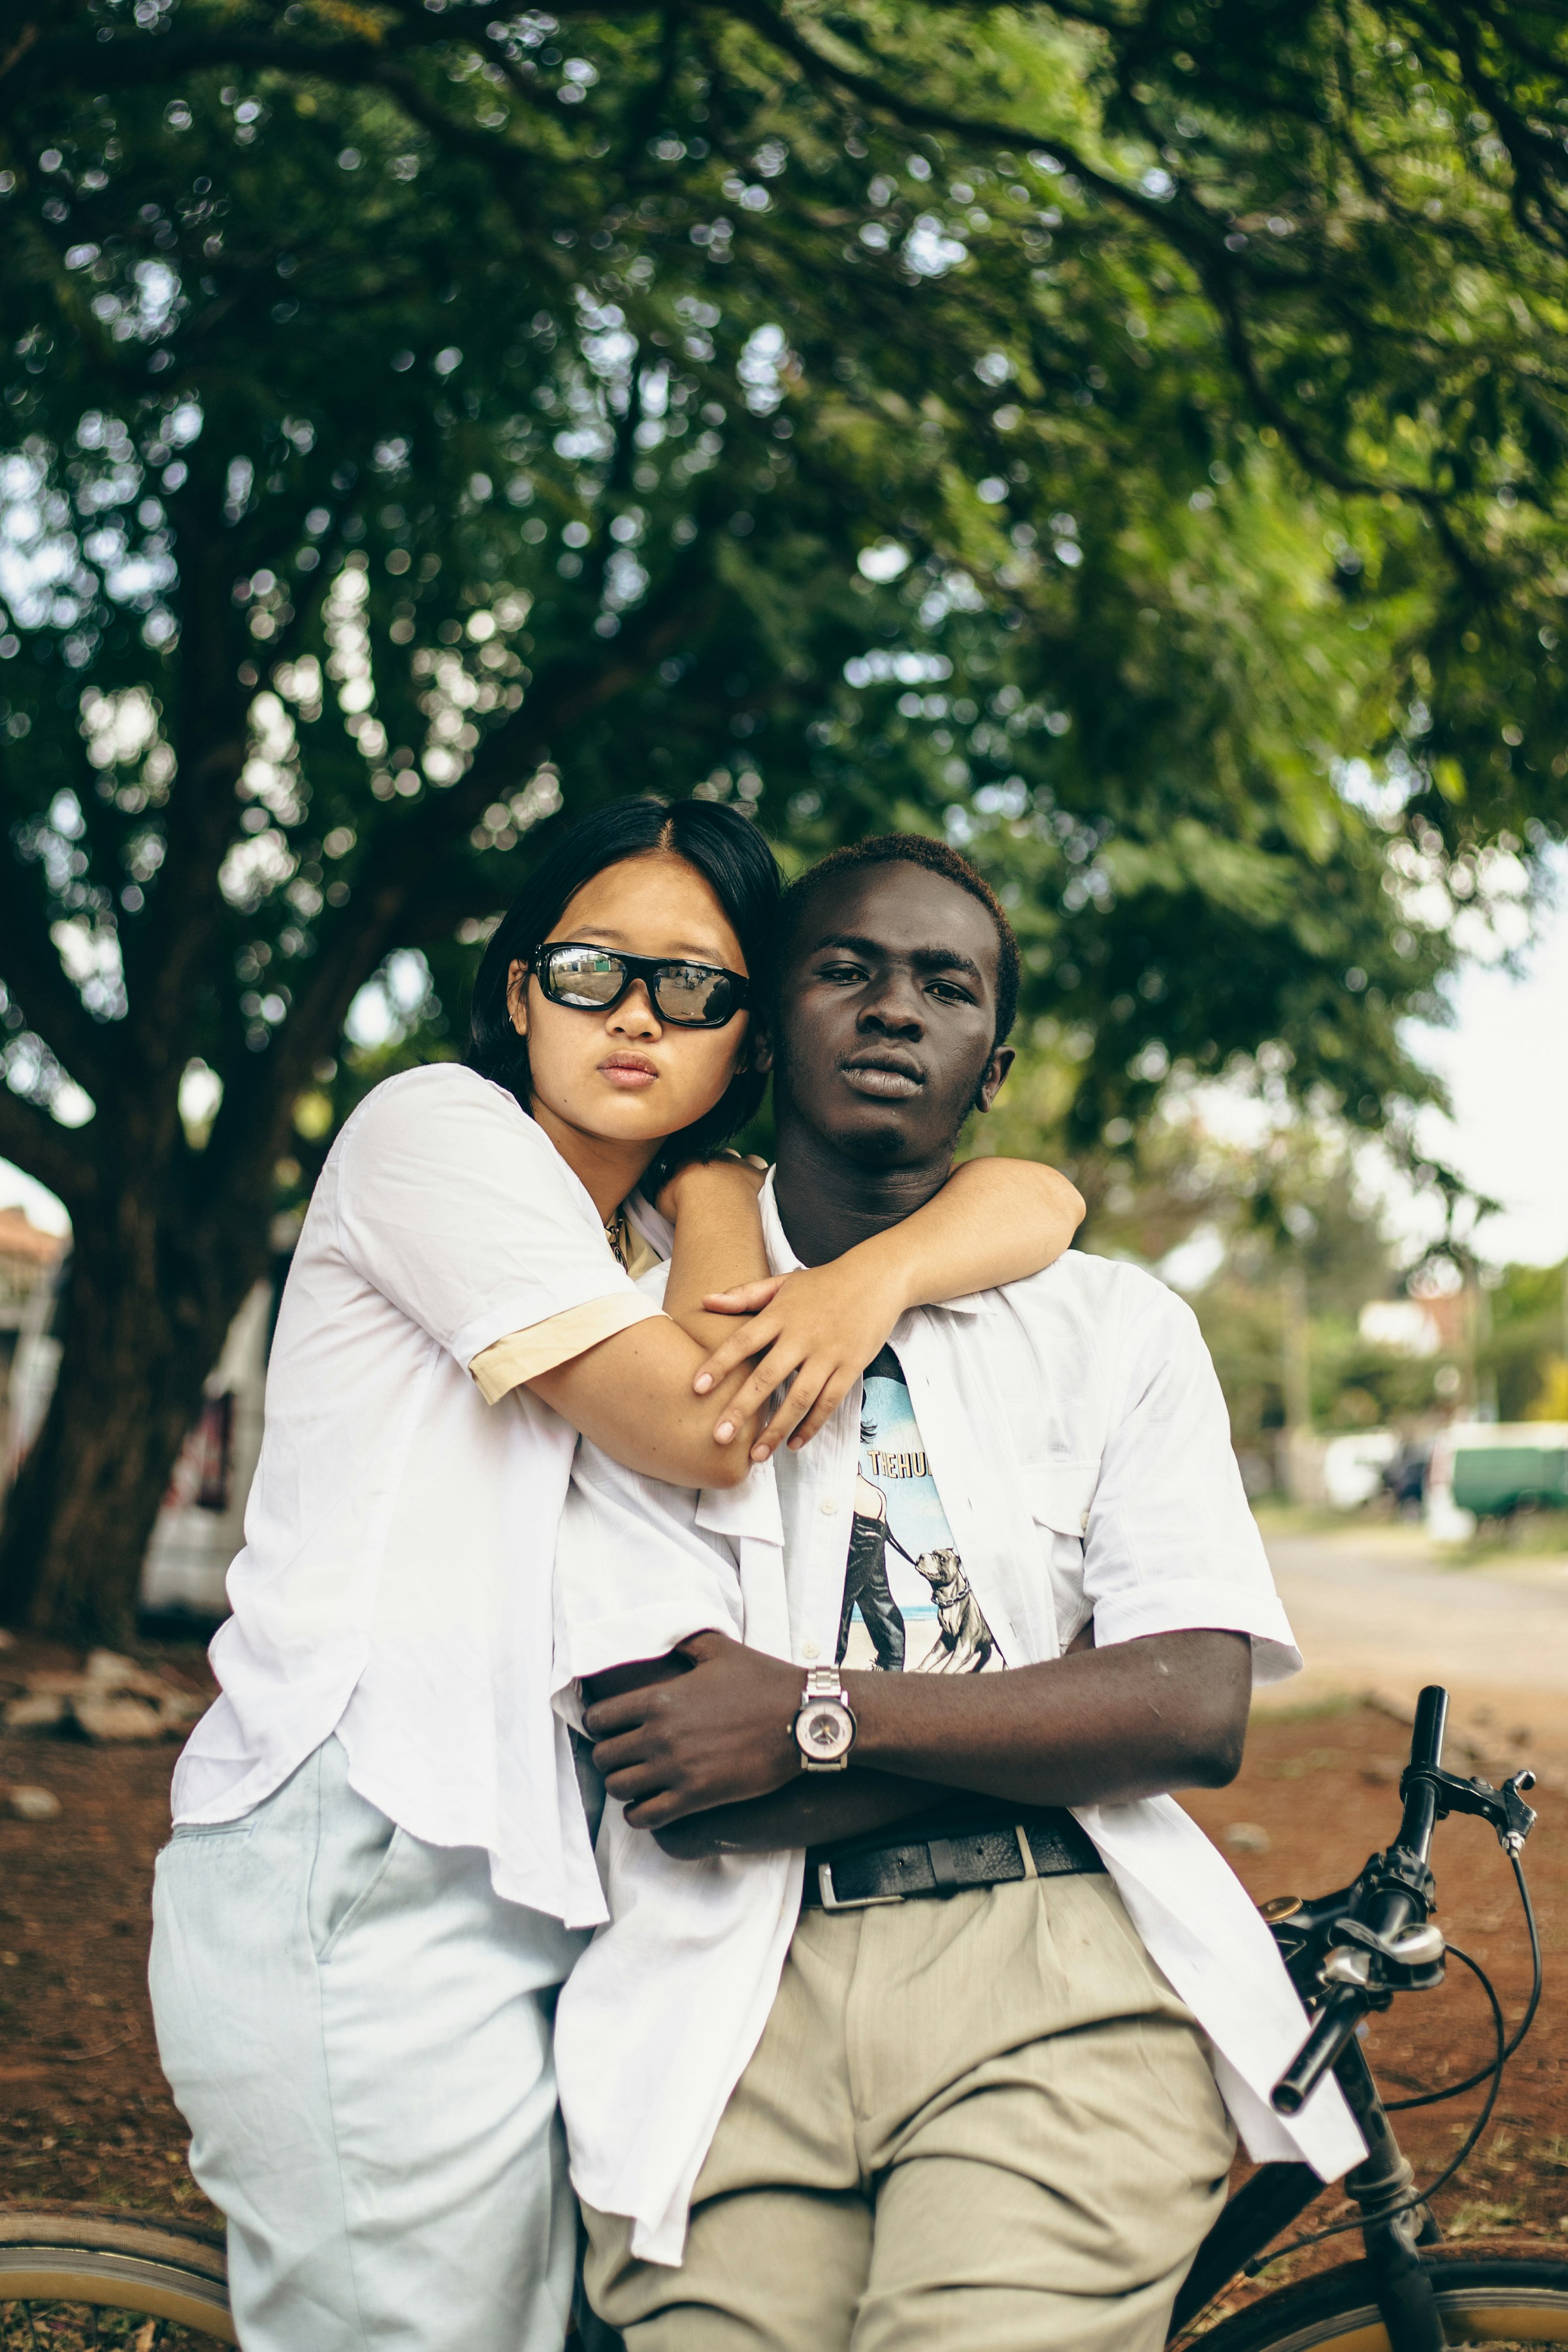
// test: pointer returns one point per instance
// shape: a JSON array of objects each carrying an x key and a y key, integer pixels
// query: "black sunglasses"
[{"x": 595, "y": 980}]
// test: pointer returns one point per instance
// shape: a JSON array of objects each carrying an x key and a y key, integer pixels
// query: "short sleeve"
[
  {"x": 1172, "y": 1544},
  {"x": 458, "y": 1208},
  {"x": 523, "y": 1356}
]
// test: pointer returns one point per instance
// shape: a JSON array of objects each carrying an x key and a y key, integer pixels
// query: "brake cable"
[{"x": 1452, "y": 2090}]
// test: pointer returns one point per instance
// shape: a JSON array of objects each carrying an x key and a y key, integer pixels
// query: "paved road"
[{"x": 1376, "y": 1608}]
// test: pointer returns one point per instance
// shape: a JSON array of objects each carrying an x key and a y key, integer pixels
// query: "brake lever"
[
  {"x": 1413, "y": 1960},
  {"x": 1504, "y": 1808}
]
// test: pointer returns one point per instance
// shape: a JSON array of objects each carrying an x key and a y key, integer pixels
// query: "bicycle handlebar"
[
  {"x": 1431, "y": 1722},
  {"x": 1384, "y": 1910},
  {"x": 1334, "y": 2025}
]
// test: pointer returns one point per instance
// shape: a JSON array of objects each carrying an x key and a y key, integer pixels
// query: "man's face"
[{"x": 888, "y": 1014}]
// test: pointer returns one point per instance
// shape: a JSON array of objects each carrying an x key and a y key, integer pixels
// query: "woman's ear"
[{"x": 517, "y": 996}]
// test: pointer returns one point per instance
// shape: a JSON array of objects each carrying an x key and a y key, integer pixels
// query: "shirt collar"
[{"x": 783, "y": 1259}]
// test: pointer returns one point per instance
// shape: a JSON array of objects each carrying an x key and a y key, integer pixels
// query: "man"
[{"x": 982, "y": 2111}]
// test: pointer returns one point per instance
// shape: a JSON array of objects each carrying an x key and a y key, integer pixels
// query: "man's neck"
[{"x": 827, "y": 1203}]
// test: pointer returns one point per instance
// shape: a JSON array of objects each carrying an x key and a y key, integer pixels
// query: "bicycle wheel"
[
  {"x": 72, "y": 2282},
  {"x": 1500, "y": 2303}
]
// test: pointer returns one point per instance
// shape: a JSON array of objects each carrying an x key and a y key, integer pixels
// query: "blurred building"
[
  {"x": 201, "y": 1524},
  {"x": 29, "y": 1260}
]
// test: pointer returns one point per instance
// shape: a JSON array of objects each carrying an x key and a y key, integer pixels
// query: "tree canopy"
[{"x": 1127, "y": 438}]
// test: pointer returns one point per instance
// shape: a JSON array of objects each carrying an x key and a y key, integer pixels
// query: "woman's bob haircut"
[{"x": 738, "y": 865}]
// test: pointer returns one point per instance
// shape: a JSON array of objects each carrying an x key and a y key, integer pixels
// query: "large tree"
[{"x": 1130, "y": 437}]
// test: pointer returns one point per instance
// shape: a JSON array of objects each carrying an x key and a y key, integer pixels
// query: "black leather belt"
[{"x": 850, "y": 1880}]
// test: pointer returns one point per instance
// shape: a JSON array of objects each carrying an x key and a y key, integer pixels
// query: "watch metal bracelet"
[{"x": 823, "y": 1725}]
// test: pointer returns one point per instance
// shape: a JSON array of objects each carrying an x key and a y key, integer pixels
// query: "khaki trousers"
[{"x": 983, "y": 2125}]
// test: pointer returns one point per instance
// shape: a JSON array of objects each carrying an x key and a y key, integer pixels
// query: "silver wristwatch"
[{"x": 824, "y": 1725}]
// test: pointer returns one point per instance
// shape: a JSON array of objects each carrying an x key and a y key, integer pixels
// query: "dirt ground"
[{"x": 85, "y": 2119}]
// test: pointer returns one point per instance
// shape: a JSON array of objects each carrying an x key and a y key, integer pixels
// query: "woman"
[{"x": 380, "y": 1871}]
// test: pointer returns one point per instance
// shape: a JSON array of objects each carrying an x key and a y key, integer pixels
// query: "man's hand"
[{"x": 715, "y": 1734}]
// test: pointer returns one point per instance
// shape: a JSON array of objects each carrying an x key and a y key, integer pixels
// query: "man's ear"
[
  {"x": 759, "y": 1050},
  {"x": 517, "y": 996},
  {"x": 990, "y": 1079}
]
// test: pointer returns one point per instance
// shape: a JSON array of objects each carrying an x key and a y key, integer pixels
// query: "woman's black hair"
[{"x": 732, "y": 857}]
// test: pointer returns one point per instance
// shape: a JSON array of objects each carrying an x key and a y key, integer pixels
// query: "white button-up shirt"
[
  {"x": 1079, "y": 1442},
  {"x": 396, "y": 1584}
]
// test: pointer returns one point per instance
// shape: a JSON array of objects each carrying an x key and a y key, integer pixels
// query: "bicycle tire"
[
  {"x": 1500, "y": 2302},
  {"x": 159, "y": 2270}
]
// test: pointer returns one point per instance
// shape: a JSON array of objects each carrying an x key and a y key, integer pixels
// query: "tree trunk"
[{"x": 142, "y": 1331}]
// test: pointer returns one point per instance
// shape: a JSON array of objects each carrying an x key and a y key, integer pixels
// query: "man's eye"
[
  {"x": 950, "y": 993},
  {"x": 842, "y": 972}
]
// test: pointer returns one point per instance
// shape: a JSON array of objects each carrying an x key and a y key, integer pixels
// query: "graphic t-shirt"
[{"x": 908, "y": 1604}]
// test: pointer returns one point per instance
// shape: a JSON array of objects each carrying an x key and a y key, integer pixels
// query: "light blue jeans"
[{"x": 357, "y": 2030}]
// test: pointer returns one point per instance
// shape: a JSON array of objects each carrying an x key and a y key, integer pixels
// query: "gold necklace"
[{"x": 617, "y": 1236}]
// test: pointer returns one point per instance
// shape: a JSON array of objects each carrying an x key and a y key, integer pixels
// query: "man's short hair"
[{"x": 937, "y": 857}]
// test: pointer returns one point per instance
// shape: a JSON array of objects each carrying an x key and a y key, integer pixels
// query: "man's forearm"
[
  {"x": 1132, "y": 1720},
  {"x": 815, "y": 1809},
  {"x": 1137, "y": 1719}
]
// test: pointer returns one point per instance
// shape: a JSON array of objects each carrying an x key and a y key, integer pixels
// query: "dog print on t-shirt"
[{"x": 908, "y": 1604}]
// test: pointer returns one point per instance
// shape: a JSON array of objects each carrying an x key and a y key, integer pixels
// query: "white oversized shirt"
[
  {"x": 400, "y": 1537},
  {"x": 661, "y": 2013},
  {"x": 1079, "y": 1442}
]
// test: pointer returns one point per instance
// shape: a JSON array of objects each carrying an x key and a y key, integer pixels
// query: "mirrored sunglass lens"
[
  {"x": 689, "y": 993},
  {"x": 582, "y": 976}
]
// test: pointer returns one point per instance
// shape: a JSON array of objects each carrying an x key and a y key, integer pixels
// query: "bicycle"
[
  {"x": 158, "y": 2286},
  {"x": 69, "y": 2280},
  {"x": 1349, "y": 1953}
]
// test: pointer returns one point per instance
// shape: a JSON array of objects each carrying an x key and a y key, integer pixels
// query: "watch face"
[{"x": 823, "y": 1730}]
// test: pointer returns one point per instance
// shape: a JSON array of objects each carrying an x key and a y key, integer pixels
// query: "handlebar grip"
[
  {"x": 1336, "y": 2023},
  {"x": 1431, "y": 1721}
]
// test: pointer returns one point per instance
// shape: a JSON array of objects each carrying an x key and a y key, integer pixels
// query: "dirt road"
[{"x": 1376, "y": 1607}]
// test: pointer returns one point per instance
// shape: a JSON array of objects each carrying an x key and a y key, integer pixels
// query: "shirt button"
[
  {"x": 810, "y": 1650},
  {"x": 1083, "y": 1523},
  {"x": 829, "y": 1505}
]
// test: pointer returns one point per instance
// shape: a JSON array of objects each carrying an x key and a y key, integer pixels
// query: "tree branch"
[
  {"x": 777, "y": 30},
  {"x": 140, "y": 57},
  {"x": 38, "y": 1144},
  {"x": 31, "y": 969},
  {"x": 1274, "y": 410},
  {"x": 398, "y": 872}
]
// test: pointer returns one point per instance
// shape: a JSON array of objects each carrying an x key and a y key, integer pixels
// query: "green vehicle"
[{"x": 1498, "y": 1470}]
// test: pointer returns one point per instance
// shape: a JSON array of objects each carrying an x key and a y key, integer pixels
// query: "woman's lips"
[
  {"x": 628, "y": 1073},
  {"x": 888, "y": 1080}
]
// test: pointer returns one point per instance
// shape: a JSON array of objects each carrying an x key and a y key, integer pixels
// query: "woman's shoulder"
[
  {"x": 409, "y": 1094},
  {"x": 440, "y": 1109}
]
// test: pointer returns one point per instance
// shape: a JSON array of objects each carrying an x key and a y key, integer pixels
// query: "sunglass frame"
[{"x": 648, "y": 970}]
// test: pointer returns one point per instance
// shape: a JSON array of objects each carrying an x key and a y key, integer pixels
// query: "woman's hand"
[
  {"x": 994, "y": 1222},
  {"x": 815, "y": 1330}
]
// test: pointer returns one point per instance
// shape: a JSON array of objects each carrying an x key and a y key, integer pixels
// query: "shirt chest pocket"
[{"x": 1059, "y": 1496}]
